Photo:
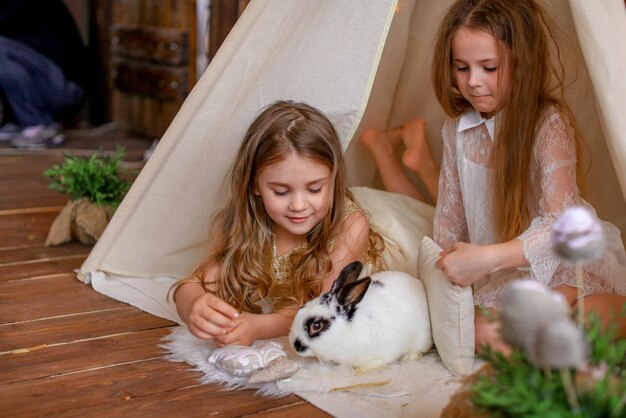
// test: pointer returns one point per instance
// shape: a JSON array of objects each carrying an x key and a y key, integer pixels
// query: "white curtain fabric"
[
  {"x": 601, "y": 30},
  {"x": 323, "y": 52},
  {"x": 327, "y": 53}
]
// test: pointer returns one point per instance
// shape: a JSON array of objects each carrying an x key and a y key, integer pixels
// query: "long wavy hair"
[
  {"x": 532, "y": 79},
  {"x": 242, "y": 231}
]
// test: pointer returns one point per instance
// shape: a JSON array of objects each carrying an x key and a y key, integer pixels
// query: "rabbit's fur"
[{"x": 365, "y": 323}]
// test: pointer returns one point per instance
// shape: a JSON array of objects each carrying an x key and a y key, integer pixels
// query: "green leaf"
[
  {"x": 516, "y": 388},
  {"x": 97, "y": 178}
]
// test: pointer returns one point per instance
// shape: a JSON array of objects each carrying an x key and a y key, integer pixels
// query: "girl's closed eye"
[
  {"x": 315, "y": 190},
  {"x": 281, "y": 192}
]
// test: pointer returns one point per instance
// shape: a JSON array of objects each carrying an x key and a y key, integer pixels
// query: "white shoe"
[
  {"x": 8, "y": 131},
  {"x": 39, "y": 137}
]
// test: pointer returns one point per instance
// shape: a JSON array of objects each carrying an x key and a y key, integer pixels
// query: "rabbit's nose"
[{"x": 299, "y": 346}]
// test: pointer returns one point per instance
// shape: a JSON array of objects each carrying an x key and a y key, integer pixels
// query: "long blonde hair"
[
  {"x": 532, "y": 80},
  {"x": 242, "y": 231}
]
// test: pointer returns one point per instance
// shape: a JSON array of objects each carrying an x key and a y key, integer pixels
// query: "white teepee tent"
[{"x": 364, "y": 63}]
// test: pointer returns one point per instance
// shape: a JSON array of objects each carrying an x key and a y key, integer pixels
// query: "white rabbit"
[{"x": 365, "y": 323}]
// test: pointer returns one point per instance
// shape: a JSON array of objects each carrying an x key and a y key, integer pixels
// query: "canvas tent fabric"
[{"x": 365, "y": 63}]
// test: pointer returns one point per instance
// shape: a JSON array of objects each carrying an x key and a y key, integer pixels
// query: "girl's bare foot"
[
  {"x": 417, "y": 156},
  {"x": 378, "y": 141},
  {"x": 417, "y": 150},
  {"x": 382, "y": 146}
]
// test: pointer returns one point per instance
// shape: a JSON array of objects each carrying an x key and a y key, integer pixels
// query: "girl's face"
[
  {"x": 296, "y": 194},
  {"x": 477, "y": 67}
]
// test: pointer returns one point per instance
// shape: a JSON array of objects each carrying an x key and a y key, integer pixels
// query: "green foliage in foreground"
[
  {"x": 96, "y": 178},
  {"x": 516, "y": 388}
]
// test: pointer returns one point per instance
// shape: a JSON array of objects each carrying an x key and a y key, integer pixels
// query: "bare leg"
[
  {"x": 418, "y": 157},
  {"x": 382, "y": 147},
  {"x": 487, "y": 331},
  {"x": 608, "y": 307}
]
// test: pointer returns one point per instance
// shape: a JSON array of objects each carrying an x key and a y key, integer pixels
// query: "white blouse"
[{"x": 464, "y": 206}]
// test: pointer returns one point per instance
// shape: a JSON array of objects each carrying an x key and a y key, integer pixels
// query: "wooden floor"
[{"x": 68, "y": 350}]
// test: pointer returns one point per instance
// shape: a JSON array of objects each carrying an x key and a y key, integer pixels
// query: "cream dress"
[{"x": 464, "y": 207}]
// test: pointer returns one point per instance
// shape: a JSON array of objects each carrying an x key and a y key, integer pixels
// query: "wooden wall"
[{"x": 152, "y": 45}]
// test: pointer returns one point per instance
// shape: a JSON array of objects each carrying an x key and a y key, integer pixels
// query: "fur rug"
[{"x": 404, "y": 388}]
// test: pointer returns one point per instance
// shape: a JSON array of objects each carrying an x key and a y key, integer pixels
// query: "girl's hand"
[
  {"x": 244, "y": 331},
  {"x": 210, "y": 317},
  {"x": 465, "y": 264},
  {"x": 250, "y": 327}
]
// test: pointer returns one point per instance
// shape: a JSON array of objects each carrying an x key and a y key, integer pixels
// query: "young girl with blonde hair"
[
  {"x": 288, "y": 227},
  {"x": 511, "y": 161}
]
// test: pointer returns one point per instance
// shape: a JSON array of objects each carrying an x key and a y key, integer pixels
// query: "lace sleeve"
[
  {"x": 449, "y": 223},
  {"x": 554, "y": 177}
]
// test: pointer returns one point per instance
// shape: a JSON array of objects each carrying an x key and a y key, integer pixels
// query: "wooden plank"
[
  {"x": 25, "y": 230},
  {"x": 65, "y": 329},
  {"x": 196, "y": 401},
  {"x": 27, "y": 167},
  {"x": 26, "y": 300},
  {"x": 27, "y": 181},
  {"x": 95, "y": 387},
  {"x": 144, "y": 114},
  {"x": 300, "y": 409},
  {"x": 31, "y": 198},
  {"x": 106, "y": 387},
  {"x": 40, "y": 269},
  {"x": 77, "y": 352},
  {"x": 81, "y": 355},
  {"x": 26, "y": 257},
  {"x": 136, "y": 381},
  {"x": 23, "y": 185},
  {"x": 30, "y": 210},
  {"x": 151, "y": 44},
  {"x": 163, "y": 83}
]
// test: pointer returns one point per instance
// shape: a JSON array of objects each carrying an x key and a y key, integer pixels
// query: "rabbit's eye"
[{"x": 315, "y": 326}]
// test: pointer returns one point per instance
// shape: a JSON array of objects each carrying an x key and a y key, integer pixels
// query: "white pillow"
[
  {"x": 242, "y": 361},
  {"x": 401, "y": 221},
  {"x": 451, "y": 312}
]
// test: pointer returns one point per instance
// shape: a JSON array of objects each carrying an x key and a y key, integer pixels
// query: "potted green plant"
[
  {"x": 95, "y": 186},
  {"x": 513, "y": 386}
]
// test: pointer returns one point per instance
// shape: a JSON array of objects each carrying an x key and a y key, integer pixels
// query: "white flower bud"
[
  {"x": 559, "y": 345},
  {"x": 527, "y": 306},
  {"x": 577, "y": 235}
]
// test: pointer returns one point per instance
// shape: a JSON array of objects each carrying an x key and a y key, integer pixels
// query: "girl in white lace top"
[{"x": 511, "y": 161}]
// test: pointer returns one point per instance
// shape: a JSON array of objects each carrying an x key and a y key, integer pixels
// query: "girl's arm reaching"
[
  {"x": 249, "y": 327},
  {"x": 554, "y": 180},
  {"x": 449, "y": 222},
  {"x": 349, "y": 246},
  {"x": 556, "y": 189},
  {"x": 209, "y": 317},
  {"x": 206, "y": 315},
  {"x": 465, "y": 263}
]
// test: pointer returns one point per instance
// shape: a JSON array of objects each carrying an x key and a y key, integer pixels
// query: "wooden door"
[
  {"x": 152, "y": 62},
  {"x": 224, "y": 15}
]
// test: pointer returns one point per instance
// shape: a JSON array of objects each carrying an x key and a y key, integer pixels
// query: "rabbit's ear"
[
  {"x": 351, "y": 294},
  {"x": 348, "y": 275}
]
